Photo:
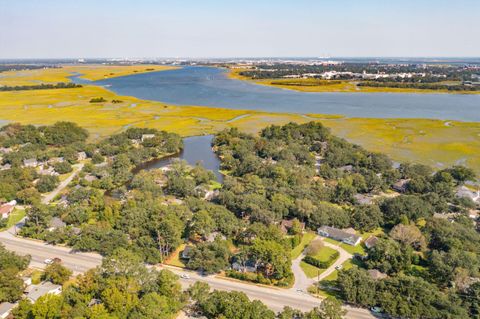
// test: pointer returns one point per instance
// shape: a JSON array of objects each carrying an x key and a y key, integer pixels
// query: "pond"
[{"x": 196, "y": 149}]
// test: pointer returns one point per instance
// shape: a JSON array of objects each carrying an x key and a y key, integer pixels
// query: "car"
[
  {"x": 48, "y": 261},
  {"x": 376, "y": 309},
  {"x": 57, "y": 260},
  {"x": 299, "y": 290},
  {"x": 338, "y": 267},
  {"x": 184, "y": 276}
]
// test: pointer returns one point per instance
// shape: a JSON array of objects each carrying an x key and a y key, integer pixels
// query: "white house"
[
  {"x": 5, "y": 309},
  {"x": 36, "y": 291},
  {"x": 340, "y": 235},
  {"x": 147, "y": 137},
  {"x": 7, "y": 209},
  {"x": 30, "y": 162}
]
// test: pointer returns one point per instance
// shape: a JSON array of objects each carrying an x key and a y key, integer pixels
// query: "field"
[
  {"x": 433, "y": 142},
  {"x": 316, "y": 85},
  {"x": 89, "y": 72}
]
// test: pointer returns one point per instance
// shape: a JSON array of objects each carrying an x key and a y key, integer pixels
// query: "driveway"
[
  {"x": 302, "y": 282},
  {"x": 50, "y": 196}
]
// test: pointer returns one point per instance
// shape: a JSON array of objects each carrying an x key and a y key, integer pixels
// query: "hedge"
[{"x": 320, "y": 263}]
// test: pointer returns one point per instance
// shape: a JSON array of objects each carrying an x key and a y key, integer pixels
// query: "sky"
[{"x": 247, "y": 28}]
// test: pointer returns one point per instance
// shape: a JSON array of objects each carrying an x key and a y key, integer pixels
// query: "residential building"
[
  {"x": 371, "y": 242},
  {"x": 5, "y": 309},
  {"x": 7, "y": 209},
  {"x": 401, "y": 185},
  {"x": 376, "y": 274},
  {"x": 286, "y": 225},
  {"x": 56, "y": 223},
  {"x": 81, "y": 156},
  {"x": 211, "y": 238},
  {"x": 30, "y": 162},
  {"x": 464, "y": 191},
  {"x": 187, "y": 252},
  {"x": 147, "y": 137},
  {"x": 248, "y": 266},
  {"x": 34, "y": 292},
  {"x": 340, "y": 235}
]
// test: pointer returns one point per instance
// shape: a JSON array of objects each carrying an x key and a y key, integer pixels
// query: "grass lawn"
[
  {"x": 310, "y": 271},
  {"x": 306, "y": 239},
  {"x": 174, "y": 258},
  {"x": 334, "y": 275},
  {"x": 15, "y": 217},
  {"x": 325, "y": 253}
]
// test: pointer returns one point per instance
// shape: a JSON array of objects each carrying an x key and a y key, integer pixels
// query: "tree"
[
  {"x": 63, "y": 167},
  {"x": 389, "y": 256},
  {"x": 357, "y": 287},
  {"x": 330, "y": 308},
  {"x": 56, "y": 273},
  {"x": 409, "y": 235},
  {"x": 366, "y": 217},
  {"x": 210, "y": 257},
  {"x": 201, "y": 225},
  {"x": 409, "y": 205},
  {"x": 11, "y": 287},
  {"x": 199, "y": 291},
  {"x": 47, "y": 183},
  {"x": 47, "y": 307}
]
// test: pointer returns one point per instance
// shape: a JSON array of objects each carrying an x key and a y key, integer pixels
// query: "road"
[{"x": 50, "y": 196}]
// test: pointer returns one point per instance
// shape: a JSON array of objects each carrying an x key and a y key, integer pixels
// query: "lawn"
[
  {"x": 334, "y": 275},
  {"x": 174, "y": 258},
  {"x": 15, "y": 217},
  {"x": 306, "y": 239},
  {"x": 311, "y": 271}
]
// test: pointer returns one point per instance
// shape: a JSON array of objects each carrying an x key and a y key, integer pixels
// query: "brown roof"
[
  {"x": 6, "y": 209},
  {"x": 371, "y": 241},
  {"x": 285, "y": 225}
]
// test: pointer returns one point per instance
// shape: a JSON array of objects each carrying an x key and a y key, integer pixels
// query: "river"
[{"x": 208, "y": 86}]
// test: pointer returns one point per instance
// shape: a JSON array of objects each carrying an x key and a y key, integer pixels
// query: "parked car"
[
  {"x": 57, "y": 260},
  {"x": 338, "y": 267},
  {"x": 376, "y": 310},
  {"x": 184, "y": 276},
  {"x": 48, "y": 261}
]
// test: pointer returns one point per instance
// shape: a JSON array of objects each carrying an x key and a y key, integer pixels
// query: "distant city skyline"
[{"x": 214, "y": 28}]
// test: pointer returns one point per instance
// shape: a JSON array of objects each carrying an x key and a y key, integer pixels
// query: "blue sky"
[{"x": 214, "y": 28}]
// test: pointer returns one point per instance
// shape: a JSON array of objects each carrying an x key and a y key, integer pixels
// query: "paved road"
[{"x": 50, "y": 196}]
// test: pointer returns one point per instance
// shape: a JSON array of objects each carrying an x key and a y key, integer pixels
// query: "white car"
[
  {"x": 184, "y": 276},
  {"x": 48, "y": 261},
  {"x": 376, "y": 309},
  {"x": 338, "y": 267}
]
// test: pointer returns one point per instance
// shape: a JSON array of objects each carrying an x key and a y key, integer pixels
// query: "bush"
[
  {"x": 63, "y": 167},
  {"x": 98, "y": 100},
  {"x": 47, "y": 183},
  {"x": 320, "y": 263}
]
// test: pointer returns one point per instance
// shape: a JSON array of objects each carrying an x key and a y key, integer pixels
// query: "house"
[
  {"x": 56, "y": 223},
  {"x": 30, "y": 162},
  {"x": 34, "y": 292},
  {"x": 187, "y": 252},
  {"x": 340, "y": 235},
  {"x": 49, "y": 171},
  {"x": 248, "y": 266},
  {"x": 401, "y": 185},
  {"x": 5, "y": 309},
  {"x": 376, "y": 274},
  {"x": 27, "y": 281},
  {"x": 464, "y": 191},
  {"x": 211, "y": 238},
  {"x": 90, "y": 178},
  {"x": 5, "y": 167},
  {"x": 286, "y": 225},
  {"x": 346, "y": 168},
  {"x": 147, "y": 136},
  {"x": 363, "y": 199},
  {"x": 7, "y": 209},
  {"x": 81, "y": 156},
  {"x": 5, "y": 150},
  {"x": 371, "y": 242},
  {"x": 55, "y": 160}
]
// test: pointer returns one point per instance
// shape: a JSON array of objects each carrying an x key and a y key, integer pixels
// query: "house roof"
[
  {"x": 6, "y": 307},
  {"x": 376, "y": 274},
  {"x": 339, "y": 234},
  {"x": 36, "y": 291},
  {"x": 57, "y": 223},
  {"x": 285, "y": 225},
  {"x": 371, "y": 241},
  {"x": 6, "y": 209}
]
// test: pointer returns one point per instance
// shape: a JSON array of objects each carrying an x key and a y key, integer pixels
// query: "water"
[
  {"x": 207, "y": 86},
  {"x": 196, "y": 149}
]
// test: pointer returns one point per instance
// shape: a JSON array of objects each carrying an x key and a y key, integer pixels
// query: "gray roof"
[
  {"x": 339, "y": 234},
  {"x": 6, "y": 307},
  {"x": 57, "y": 223},
  {"x": 36, "y": 291}
]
